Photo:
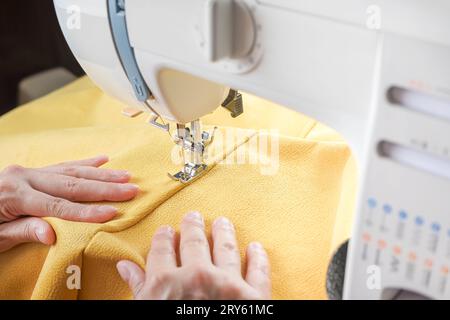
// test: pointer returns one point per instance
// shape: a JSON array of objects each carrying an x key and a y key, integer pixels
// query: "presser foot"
[
  {"x": 189, "y": 173},
  {"x": 193, "y": 143}
]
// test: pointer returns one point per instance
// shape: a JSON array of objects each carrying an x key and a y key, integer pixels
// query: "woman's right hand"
[{"x": 201, "y": 273}]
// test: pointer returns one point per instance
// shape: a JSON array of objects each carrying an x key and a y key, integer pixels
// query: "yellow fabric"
[{"x": 300, "y": 214}]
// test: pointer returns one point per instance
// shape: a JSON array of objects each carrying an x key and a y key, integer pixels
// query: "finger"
[
  {"x": 194, "y": 247},
  {"x": 225, "y": 251},
  {"x": 82, "y": 190},
  {"x": 258, "y": 270},
  {"x": 90, "y": 173},
  {"x": 133, "y": 275},
  {"x": 25, "y": 230},
  {"x": 39, "y": 204},
  {"x": 162, "y": 255},
  {"x": 91, "y": 162}
]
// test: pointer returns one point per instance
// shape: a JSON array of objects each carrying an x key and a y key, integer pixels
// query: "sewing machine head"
[
  {"x": 374, "y": 70},
  {"x": 105, "y": 44}
]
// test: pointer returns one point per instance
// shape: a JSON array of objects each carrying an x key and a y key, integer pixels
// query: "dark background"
[{"x": 30, "y": 41}]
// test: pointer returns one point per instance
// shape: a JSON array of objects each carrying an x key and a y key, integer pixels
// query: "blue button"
[
  {"x": 419, "y": 221},
  {"x": 403, "y": 215},
  {"x": 387, "y": 209},
  {"x": 436, "y": 227},
  {"x": 372, "y": 203},
  {"x": 448, "y": 232}
]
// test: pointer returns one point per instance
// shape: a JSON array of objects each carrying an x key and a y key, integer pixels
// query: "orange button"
[
  {"x": 445, "y": 270},
  {"x": 382, "y": 244},
  {"x": 397, "y": 250}
]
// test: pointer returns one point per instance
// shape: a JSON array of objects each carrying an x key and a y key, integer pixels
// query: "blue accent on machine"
[{"x": 119, "y": 32}]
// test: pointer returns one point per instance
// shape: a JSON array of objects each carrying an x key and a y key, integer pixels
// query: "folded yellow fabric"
[{"x": 298, "y": 203}]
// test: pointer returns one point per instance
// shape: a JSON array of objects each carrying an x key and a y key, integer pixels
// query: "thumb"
[
  {"x": 133, "y": 275},
  {"x": 25, "y": 230}
]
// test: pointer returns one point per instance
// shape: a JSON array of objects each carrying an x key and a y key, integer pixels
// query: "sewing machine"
[{"x": 377, "y": 71}]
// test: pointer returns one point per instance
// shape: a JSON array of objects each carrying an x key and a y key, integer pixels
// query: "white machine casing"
[{"x": 385, "y": 88}]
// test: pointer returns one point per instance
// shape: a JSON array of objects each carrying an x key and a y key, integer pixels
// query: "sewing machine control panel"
[
  {"x": 406, "y": 247},
  {"x": 402, "y": 236}
]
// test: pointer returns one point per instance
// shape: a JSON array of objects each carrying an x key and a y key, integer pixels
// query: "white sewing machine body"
[{"x": 386, "y": 90}]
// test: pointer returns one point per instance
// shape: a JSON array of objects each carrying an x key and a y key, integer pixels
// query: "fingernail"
[
  {"x": 41, "y": 234},
  {"x": 130, "y": 187},
  {"x": 102, "y": 157},
  {"x": 195, "y": 216},
  {"x": 223, "y": 222},
  {"x": 107, "y": 209},
  {"x": 166, "y": 230},
  {"x": 123, "y": 174},
  {"x": 256, "y": 246},
  {"x": 123, "y": 271}
]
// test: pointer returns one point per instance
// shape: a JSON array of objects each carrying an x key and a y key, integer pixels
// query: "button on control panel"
[{"x": 407, "y": 246}]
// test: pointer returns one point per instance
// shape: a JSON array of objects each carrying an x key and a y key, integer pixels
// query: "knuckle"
[
  {"x": 13, "y": 170},
  {"x": 10, "y": 195},
  {"x": 27, "y": 231},
  {"x": 161, "y": 237},
  {"x": 162, "y": 251},
  {"x": 229, "y": 247},
  {"x": 84, "y": 211},
  {"x": 103, "y": 175},
  {"x": 196, "y": 223},
  {"x": 55, "y": 207},
  {"x": 194, "y": 242},
  {"x": 109, "y": 191},
  {"x": 72, "y": 186},
  {"x": 262, "y": 267},
  {"x": 69, "y": 171},
  {"x": 200, "y": 275},
  {"x": 202, "y": 282},
  {"x": 8, "y": 185},
  {"x": 8, "y": 179}
]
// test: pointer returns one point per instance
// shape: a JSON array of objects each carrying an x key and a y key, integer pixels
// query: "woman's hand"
[
  {"x": 200, "y": 276},
  {"x": 54, "y": 192}
]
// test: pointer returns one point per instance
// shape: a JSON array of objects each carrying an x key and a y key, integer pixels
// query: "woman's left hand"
[{"x": 28, "y": 194}]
